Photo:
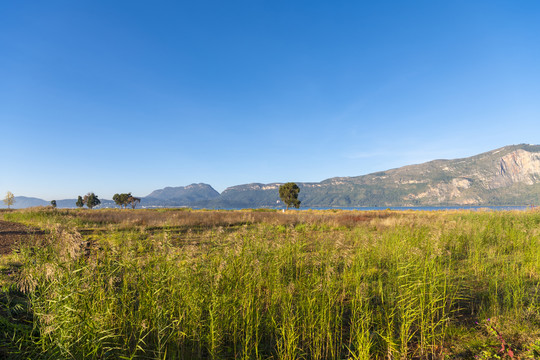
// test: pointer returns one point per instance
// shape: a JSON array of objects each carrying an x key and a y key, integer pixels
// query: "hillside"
[
  {"x": 505, "y": 176},
  {"x": 180, "y": 195},
  {"x": 22, "y": 202}
]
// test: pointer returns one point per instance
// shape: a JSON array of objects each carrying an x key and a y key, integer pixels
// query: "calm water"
[
  {"x": 431, "y": 208},
  {"x": 418, "y": 208}
]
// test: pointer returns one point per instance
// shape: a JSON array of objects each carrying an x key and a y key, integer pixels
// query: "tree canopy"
[
  {"x": 289, "y": 194},
  {"x": 123, "y": 200},
  {"x": 80, "y": 202},
  {"x": 133, "y": 201},
  {"x": 91, "y": 200}
]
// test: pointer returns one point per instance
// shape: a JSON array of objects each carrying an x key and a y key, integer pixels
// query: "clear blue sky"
[{"x": 118, "y": 96}]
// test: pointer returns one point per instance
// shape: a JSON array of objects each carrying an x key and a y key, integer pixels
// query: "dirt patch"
[{"x": 13, "y": 234}]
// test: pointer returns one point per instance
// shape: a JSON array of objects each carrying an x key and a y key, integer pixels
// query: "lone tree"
[
  {"x": 80, "y": 202},
  {"x": 289, "y": 194},
  {"x": 53, "y": 204},
  {"x": 9, "y": 199},
  {"x": 91, "y": 200}
]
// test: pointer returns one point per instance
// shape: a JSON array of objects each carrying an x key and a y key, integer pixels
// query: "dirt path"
[{"x": 12, "y": 234}]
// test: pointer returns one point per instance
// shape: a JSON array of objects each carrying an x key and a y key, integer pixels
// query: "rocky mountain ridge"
[{"x": 506, "y": 176}]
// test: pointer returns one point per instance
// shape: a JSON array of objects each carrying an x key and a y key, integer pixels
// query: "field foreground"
[{"x": 183, "y": 284}]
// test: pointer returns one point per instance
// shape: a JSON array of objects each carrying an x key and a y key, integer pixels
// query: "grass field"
[{"x": 261, "y": 284}]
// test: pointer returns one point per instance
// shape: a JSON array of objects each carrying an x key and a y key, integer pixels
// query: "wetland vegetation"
[{"x": 262, "y": 284}]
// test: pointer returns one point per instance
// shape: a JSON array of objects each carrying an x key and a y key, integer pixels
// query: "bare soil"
[{"x": 13, "y": 234}]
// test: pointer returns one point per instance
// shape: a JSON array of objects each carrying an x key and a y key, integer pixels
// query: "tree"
[
  {"x": 91, "y": 200},
  {"x": 53, "y": 204},
  {"x": 122, "y": 200},
  {"x": 80, "y": 202},
  {"x": 9, "y": 199},
  {"x": 133, "y": 201},
  {"x": 289, "y": 194}
]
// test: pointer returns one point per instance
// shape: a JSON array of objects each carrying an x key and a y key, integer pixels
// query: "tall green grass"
[{"x": 397, "y": 287}]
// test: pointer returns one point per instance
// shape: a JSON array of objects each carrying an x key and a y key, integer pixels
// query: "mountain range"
[{"x": 506, "y": 176}]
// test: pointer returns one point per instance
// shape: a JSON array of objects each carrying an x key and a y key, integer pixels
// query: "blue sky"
[{"x": 118, "y": 96}]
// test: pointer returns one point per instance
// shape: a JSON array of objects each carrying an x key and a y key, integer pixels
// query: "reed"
[{"x": 267, "y": 285}]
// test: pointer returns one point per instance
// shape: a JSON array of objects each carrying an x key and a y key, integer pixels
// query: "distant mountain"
[
  {"x": 247, "y": 196},
  {"x": 506, "y": 176},
  {"x": 181, "y": 195},
  {"x": 68, "y": 203},
  {"x": 22, "y": 202},
  {"x": 71, "y": 203}
]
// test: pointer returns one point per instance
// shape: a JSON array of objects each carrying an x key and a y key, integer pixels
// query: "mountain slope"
[
  {"x": 505, "y": 176},
  {"x": 22, "y": 202},
  {"x": 180, "y": 196}
]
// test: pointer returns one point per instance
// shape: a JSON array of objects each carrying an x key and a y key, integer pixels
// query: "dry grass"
[
  {"x": 270, "y": 285},
  {"x": 209, "y": 218}
]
